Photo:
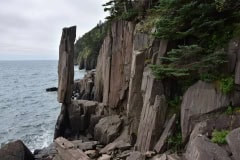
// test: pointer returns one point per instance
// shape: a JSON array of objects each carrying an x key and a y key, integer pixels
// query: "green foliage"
[
  {"x": 219, "y": 137},
  {"x": 89, "y": 44},
  {"x": 120, "y": 9},
  {"x": 226, "y": 84},
  {"x": 208, "y": 23},
  {"x": 189, "y": 61},
  {"x": 229, "y": 110},
  {"x": 175, "y": 142}
]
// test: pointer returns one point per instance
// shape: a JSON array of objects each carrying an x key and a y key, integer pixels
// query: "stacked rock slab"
[
  {"x": 153, "y": 113},
  {"x": 65, "y": 78}
]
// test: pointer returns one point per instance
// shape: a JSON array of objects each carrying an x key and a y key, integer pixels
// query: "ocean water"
[{"x": 27, "y": 111}]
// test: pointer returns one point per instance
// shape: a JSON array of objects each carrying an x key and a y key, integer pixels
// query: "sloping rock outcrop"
[{"x": 199, "y": 99}]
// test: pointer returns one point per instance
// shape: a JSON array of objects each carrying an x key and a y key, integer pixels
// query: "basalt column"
[{"x": 65, "y": 79}]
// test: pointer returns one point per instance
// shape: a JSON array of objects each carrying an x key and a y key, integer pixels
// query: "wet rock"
[
  {"x": 201, "y": 148},
  {"x": 15, "y": 151},
  {"x": 53, "y": 89},
  {"x": 120, "y": 145},
  {"x": 159, "y": 147},
  {"x": 233, "y": 140},
  {"x": 199, "y": 99},
  {"x": 136, "y": 156}
]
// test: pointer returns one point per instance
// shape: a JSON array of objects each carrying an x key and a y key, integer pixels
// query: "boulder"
[
  {"x": 168, "y": 131},
  {"x": 66, "y": 65},
  {"x": 136, "y": 156},
  {"x": 233, "y": 140},
  {"x": 107, "y": 129},
  {"x": 15, "y": 151},
  {"x": 201, "y": 148},
  {"x": 199, "y": 99},
  {"x": 92, "y": 153}
]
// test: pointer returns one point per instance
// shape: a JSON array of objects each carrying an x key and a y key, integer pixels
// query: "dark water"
[{"x": 27, "y": 111}]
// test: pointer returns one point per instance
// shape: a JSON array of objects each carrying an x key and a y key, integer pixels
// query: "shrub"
[
  {"x": 219, "y": 137},
  {"x": 226, "y": 85}
]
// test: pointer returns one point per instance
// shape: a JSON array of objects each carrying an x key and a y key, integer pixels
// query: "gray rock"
[
  {"x": 199, "y": 99},
  {"x": 107, "y": 129},
  {"x": 135, "y": 99},
  {"x": 92, "y": 153},
  {"x": 159, "y": 147},
  {"x": 105, "y": 157},
  {"x": 66, "y": 65},
  {"x": 121, "y": 145},
  {"x": 85, "y": 145},
  {"x": 201, "y": 148},
  {"x": 15, "y": 151},
  {"x": 136, "y": 156},
  {"x": 233, "y": 140},
  {"x": 151, "y": 123}
]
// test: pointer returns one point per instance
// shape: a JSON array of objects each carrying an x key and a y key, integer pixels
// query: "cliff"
[{"x": 166, "y": 88}]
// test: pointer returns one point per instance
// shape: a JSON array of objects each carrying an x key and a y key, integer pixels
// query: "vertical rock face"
[
  {"x": 103, "y": 69},
  {"x": 153, "y": 112},
  {"x": 122, "y": 42},
  {"x": 114, "y": 64},
  {"x": 66, "y": 65},
  {"x": 65, "y": 80},
  {"x": 135, "y": 100}
]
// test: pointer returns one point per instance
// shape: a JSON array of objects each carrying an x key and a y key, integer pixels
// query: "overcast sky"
[{"x": 31, "y": 29}]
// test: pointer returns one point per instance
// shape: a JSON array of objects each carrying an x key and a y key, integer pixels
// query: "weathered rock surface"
[
  {"x": 151, "y": 124},
  {"x": 168, "y": 131},
  {"x": 89, "y": 145},
  {"x": 66, "y": 65},
  {"x": 233, "y": 140},
  {"x": 121, "y": 145},
  {"x": 199, "y": 99},
  {"x": 201, "y": 148},
  {"x": 107, "y": 129},
  {"x": 136, "y": 156},
  {"x": 135, "y": 99},
  {"x": 15, "y": 151},
  {"x": 66, "y": 150},
  {"x": 84, "y": 88},
  {"x": 105, "y": 157},
  {"x": 153, "y": 112}
]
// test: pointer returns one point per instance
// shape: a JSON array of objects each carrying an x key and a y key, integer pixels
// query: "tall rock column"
[{"x": 65, "y": 79}]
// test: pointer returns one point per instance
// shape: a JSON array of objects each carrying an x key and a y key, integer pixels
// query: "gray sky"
[{"x": 31, "y": 29}]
